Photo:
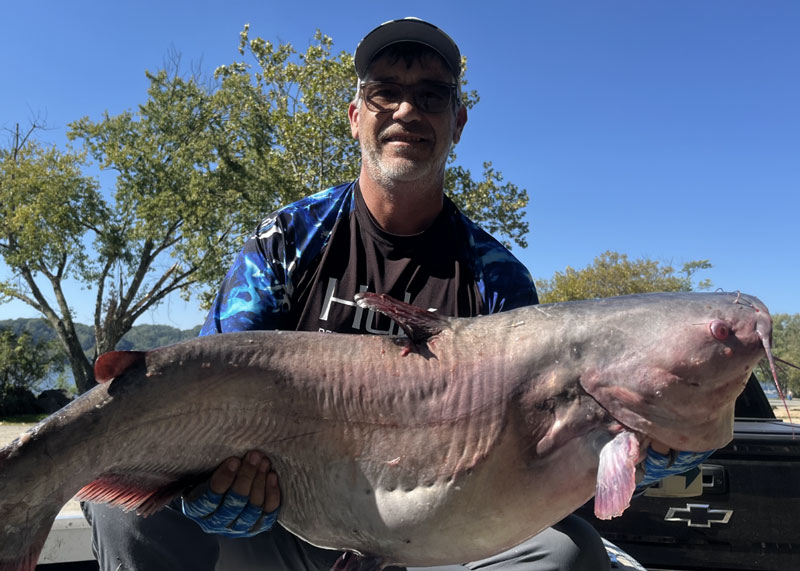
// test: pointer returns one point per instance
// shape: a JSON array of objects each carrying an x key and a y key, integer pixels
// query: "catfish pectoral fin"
[{"x": 616, "y": 475}]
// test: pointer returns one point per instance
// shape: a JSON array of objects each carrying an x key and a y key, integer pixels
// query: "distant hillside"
[{"x": 140, "y": 337}]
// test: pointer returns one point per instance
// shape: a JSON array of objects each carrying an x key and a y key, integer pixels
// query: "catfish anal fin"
[{"x": 144, "y": 492}]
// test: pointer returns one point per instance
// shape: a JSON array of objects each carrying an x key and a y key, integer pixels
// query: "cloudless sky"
[{"x": 662, "y": 129}]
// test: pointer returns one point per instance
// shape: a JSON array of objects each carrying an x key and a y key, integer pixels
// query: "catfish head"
[{"x": 675, "y": 364}]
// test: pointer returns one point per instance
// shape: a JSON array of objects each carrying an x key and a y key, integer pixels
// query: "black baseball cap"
[{"x": 407, "y": 30}]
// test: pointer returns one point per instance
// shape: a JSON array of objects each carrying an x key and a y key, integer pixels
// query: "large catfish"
[{"x": 449, "y": 444}]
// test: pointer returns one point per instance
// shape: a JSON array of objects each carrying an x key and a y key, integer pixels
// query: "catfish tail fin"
[{"x": 23, "y": 527}]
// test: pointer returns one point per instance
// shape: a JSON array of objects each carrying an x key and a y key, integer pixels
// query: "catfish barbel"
[{"x": 455, "y": 442}]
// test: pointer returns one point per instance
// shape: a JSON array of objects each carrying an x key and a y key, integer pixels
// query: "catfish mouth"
[{"x": 682, "y": 416}]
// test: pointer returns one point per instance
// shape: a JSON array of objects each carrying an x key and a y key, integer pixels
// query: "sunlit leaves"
[
  {"x": 296, "y": 104},
  {"x": 498, "y": 207},
  {"x": 47, "y": 205},
  {"x": 197, "y": 164},
  {"x": 614, "y": 274}
]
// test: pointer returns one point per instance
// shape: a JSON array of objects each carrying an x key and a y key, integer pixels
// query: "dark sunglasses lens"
[
  {"x": 429, "y": 97},
  {"x": 383, "y": 96},
  {"x": 432, "y": 98}
]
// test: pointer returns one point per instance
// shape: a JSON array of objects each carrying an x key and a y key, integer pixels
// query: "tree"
[
  {"x": 497, "y": 207},
  {"x": 175, "y": 205},
  {"x": 298, "y": 102},
  {"x": 197, "y": 165},
  {"x": 613, "y": 274},
  {"x": 786, "y": 345},
  {"x": 47, "y": 206},
  {"x": 286, "y": 116},
  {"x": 166, "y": 229},
  {"x": 24, "y": 362}
]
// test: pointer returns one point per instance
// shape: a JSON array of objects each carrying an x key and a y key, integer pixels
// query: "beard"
[{"x": 389, "y": 167}]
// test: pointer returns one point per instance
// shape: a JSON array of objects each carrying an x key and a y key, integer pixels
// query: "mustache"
[{"x": 396, "y": 131}]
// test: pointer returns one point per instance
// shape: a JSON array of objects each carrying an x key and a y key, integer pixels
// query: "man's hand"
[
  {"x": 241, "y": 498},
  {"x": 662, "y": 461},
  {"x": 660, "y": 447}
]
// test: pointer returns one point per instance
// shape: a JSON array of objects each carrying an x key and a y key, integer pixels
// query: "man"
[{"x": 390, "y": 231}]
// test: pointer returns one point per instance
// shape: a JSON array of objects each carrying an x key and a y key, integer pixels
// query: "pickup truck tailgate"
[{"x": 745, "y": 517}]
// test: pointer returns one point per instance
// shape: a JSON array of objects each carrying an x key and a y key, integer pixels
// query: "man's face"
[{"x": 406, "y": 145}]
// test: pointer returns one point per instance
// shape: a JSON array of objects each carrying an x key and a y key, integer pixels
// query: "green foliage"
[
  {"x": 46, "y": 206},
  {"x": 197, "y": 165},
  {"x": 25, "y": 362},
  {"x": 287, "y": 115},
  {"x": 174, "y": 209},
  {"x": 38, "y": 333},
  {"x": 614, "y": 274},
  {"x": 786, "y": 345},
  {"x": 287, "y": 120},
  {"x": 41, "y": 331},
  {"x": 38, "y": 329},
  {"x": 498, "y": 208}
]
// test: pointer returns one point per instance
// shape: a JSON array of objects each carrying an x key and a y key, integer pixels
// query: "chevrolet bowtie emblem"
[{"x": 698, "y": 515}]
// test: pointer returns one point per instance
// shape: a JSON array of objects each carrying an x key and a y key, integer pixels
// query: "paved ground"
[
  {"x": 9, "y": 432},
  {"x": 780, "y": 410}
]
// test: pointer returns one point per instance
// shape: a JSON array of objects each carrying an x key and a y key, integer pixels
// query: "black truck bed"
[{"x": 740, "y": 512}]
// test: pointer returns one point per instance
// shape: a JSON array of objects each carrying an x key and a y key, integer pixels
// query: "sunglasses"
[{"x": 428, "y": 96}]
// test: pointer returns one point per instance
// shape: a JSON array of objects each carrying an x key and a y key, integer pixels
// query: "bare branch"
[
  {"x": 155, "y": 296},
  {"x": 23, "y": 298}
]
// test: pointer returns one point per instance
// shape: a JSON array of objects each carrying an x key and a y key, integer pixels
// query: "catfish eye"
[{"x": 719, "y": 329}]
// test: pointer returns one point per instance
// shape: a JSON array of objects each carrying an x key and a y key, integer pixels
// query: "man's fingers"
[
  {"x": 273, "y": 493},
  {"x": 258, "y": 489},
  {"x": 241, "y": 500},
  {"x": 266, "y": 492},
  {"x": 243, "y": 483},
  {"x": 251, "y": 477},
  {"x": 224, "y": 476}
]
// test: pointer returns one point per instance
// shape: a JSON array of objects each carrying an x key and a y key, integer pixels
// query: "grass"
[{"x": 22, "y": 418}]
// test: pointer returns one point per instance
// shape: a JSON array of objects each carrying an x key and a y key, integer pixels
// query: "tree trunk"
[{"x": 82, "y": 369}]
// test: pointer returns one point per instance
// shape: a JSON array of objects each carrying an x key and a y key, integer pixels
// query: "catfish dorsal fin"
[
  {"x": 417, "y": 323},
  {"x": 114, "y": 363}
]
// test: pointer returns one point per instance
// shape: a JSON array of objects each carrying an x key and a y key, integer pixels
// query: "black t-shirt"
[
  {"x": 306, "y": 261},
  {"x": 430, "y": 270}
]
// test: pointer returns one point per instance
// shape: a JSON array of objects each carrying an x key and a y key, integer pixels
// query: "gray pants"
[{"x": 168, "y": 541}]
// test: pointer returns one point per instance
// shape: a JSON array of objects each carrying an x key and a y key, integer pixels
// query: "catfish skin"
[{"x": 450, "y": 450}]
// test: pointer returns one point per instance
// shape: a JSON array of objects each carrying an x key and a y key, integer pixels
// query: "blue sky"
[{"x": 660, "y": 129}]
